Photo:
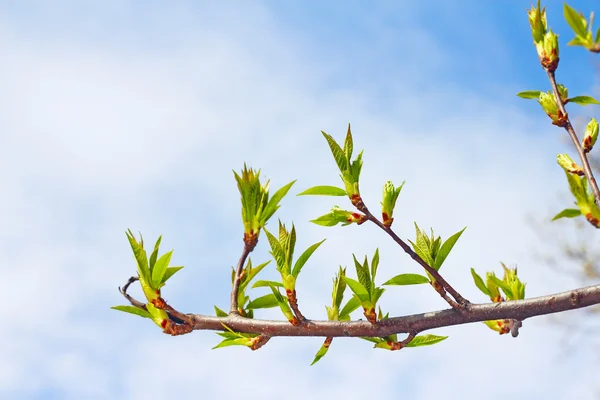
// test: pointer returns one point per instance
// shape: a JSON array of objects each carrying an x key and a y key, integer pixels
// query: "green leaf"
[
  {"x": 276, "y": 250},
  {"x": 266, "y": 301},
  {"x": 273, "y": 203},
  {"x": 583, "y": 100},
  {"x": 597, "y": 40},
  {"x": 350, "y": 307},
  {"x": 530, "y": 94},
  {"x": 338, "y": 153},
  {"x": 426, "y": 340},
  {"x": 567, "y": 213},
  {"x": 267, "y": 284},
  {"x": 446, "y": 248},
  {"x": 304, "y": 258},
  {"x": 322, "y": 351},
  {"x": 219, "y": 312},
  {"x": 575, "y": 20},
  {"x": 374, "y": 264},
  {"x": 479, "y": 282},
  {"x": 348, "y": 144},
  {"x": 170, "y": 272},
  {"x": 253, "y": 272},
  {"x": 155, "y": 253},
  {"x": 325, "y": 220},
  {"x": 359, "y": 290},
  {"x": 323, "y": 191},
  {"x": 362, "y": 271},
  {"x": 504, "y": 286},
  {"x": 407, "y": 279},
  {"x": 377, "y": 292},
  {"x": 140, "y": 255},
  {"x": 133, "y": 310},
  {"x": 232, "y": 342},
  {"x": 161, "y": 268},
  {"x": 577, "y": 41}
]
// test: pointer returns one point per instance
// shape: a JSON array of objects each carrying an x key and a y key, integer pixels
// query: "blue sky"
[{"x": 124, "y": 114}]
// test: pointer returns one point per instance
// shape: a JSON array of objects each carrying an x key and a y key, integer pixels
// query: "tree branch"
[
  {"x": 569, "y": 128},
  {"x": 460, "y": 303},
  {"x": 238, "y": 279},
  {"x": 517, "y": 310}
]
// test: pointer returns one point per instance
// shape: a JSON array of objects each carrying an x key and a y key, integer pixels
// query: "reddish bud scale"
[
  {"x": 258, "y": 342},
  {"x": 587, "y": 144},
  {"x": 173, "y": 329},
  {"x": 294, "y": 321},
  {"x": 387, "y": 221},
  {"x": 394, "y": 345},
  {"x": 159, "y": 303},
  {"x": 357, "y": 202},
  {"x": 251, "y": 239},
  {"x": 327, "y": 342},
  {"x": 550, "y": 63},
  {"x": 371, "y": 315},
  {"x": 559, "y": 120},
  {"x": 497, "y": 299},
  {"x": 592, "y": 220},
  {"x": 504, "y": 326}
]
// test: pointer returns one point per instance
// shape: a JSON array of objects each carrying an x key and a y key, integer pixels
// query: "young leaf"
[
  {"x": 530, "y": 94},
  {"x": 407, "y": 279},
  {"x": 338, "y": 153},
  {"x": 575, "y": 20},
  {"x": 326, "y": 220},
  {"x": 160, "y": 268},
  {"x": 133, "y": 310},
  {"x": 567, "y": 213},
  {"x": 323, "y": 191},
  {"x": 219, "y": 312},
  {"x": 276, "y": 250},
  {"x": 273, "y": 203},
  {"x": 374, "y": 264},
  {"x": 597, "y": 40},
  {"x": 446, "y": 248},
  {"x": 362, "y": 271},
  {"x": 425, "y": 340},
  {"x": 504, "y": 286},
  {"x": 140, "y": 255},
  {"x": 348, "y": 144},
  {"x": 583, "y": 100},
  {"x": 155, "y": 253},
  {"x": 267, "y": 284},
  {"x": 322, "y": 351},
  {"x": 170, "y": 272},
  {"x": 252, "y": 273},
  {"x": 304, "y": 257},
  {"x": 359, "y": 290},
  {"x": 479, "y": 282},
  {"x": 266, "y": 301},
  {"x": 350, "y": 307}
]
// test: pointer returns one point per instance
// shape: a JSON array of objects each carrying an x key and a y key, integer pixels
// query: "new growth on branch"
[{"x": 505, "y": 313}]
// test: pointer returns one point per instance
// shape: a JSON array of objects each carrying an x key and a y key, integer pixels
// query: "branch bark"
[
  {"x": 237, "y": 280},
  {"x": 517, "y": 310},
  {"x": 573, "y": 135}
]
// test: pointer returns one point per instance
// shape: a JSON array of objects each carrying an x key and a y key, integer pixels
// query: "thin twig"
[
  {"x": 460, "y": 303},
  {"x": 133, "y": 301},
  {"x": 515, "y": 309},
  {"x": 569, "y": 128},
  {"x": 237, "y": 279}
]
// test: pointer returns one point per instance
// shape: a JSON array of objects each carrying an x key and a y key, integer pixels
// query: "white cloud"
[{"x": 105, "y": 136}]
